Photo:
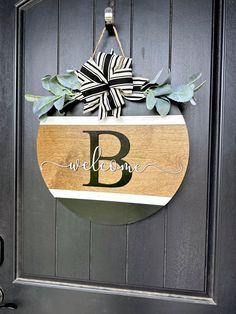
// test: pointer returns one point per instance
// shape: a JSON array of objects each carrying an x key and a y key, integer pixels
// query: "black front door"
[{"x": 180, "y": 260}]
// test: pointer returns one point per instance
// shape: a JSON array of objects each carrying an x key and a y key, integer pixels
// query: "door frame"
[{"x": 222, "y": 196}]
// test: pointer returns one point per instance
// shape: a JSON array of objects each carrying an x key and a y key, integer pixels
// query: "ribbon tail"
[
  {"x": 117, "y": 112},
  {"x": 80, "y": 96},
  {"x": 102, "y": 113},
  {"x": 90, "y": 107},
  {"x": 137, "y": 93}
]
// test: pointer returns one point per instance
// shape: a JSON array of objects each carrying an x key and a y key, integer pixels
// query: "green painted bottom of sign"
[{"x": 111, "y": 213}]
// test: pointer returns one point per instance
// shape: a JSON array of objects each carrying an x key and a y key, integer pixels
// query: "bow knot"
[{"x": 106, "y": 81}]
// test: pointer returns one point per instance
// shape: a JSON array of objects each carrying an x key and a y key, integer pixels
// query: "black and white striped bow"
[{"x": 106, "y": 81}]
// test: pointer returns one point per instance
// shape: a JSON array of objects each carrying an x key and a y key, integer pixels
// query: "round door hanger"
[{"x": 133, "y": 165}]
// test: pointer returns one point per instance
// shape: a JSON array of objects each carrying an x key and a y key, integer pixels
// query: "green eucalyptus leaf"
[
  {"x": 69, "y": 97},
  {"x": 150, "y": 100},
  {"x": 45, "y": 82},
  {"x": 162, "y": 106},
  {"x": 43, "y": 117},
  {"x": 194, "y": 77},
  {"x": 58, "y": 104},
  {"x": 162, "y": 90},
  {"x": 167, "y": 80},
  {"x": 44, "y": 100},
  {"x": 69, "y": 80},
  {"x": 31, "y": 98},
  {"x": 56, "y": 88},
  {"x": 43, "y": 105},
  {"x": 44, "y": 110},
  {"x": 193, "y": 101},
  {"x": 181, "y": 93},
  {"x": 199, "y": 86},
  {"x": 76, "y": 95},
  {"x": 154, "y": 81}
]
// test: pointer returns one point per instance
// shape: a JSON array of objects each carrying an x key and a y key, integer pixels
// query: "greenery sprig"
[
  {"x": 161, "y": 94},
  {"x": 64, "y": 90}
]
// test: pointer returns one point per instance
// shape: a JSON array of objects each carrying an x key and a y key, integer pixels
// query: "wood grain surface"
[{"x": 164, "y": 146}]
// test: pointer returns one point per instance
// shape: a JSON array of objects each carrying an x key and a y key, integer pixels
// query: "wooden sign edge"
[{"x": 124, "y": 120}]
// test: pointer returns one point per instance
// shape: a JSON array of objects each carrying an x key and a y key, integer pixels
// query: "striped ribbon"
[{"x": 106, "y": 81}]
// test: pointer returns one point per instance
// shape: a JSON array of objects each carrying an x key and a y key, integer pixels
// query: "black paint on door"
[{"x": 186, "y": 249}]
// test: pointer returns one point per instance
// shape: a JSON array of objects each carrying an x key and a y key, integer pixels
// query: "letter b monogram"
[{"x": 124, "y": 150}]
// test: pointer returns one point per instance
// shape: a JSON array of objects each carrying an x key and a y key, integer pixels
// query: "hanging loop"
[
  {"x": 110, "y": 27},
  {"x": 117, "y": 39}
]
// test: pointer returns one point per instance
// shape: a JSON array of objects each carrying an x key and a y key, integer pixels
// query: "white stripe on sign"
[
  {"x": 124, "y": 120},
  {"x": 114, "y": 197}
]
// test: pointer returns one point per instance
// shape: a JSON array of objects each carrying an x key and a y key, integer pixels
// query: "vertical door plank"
[
  {"x": 186, "y": 236},
  {"x": 75, "y": 38},
  {"x": 75, "y": 33},
  {"x": 73, "y": 236},
  {"x": 40, "y": 46},
  {"x": 75, "y": 47},
  {"x": 150, "y": 54},
  {"x": 108, "y": 254},
  {"x": 146, "y": 251},
  {"x": 108, "y": 246}
]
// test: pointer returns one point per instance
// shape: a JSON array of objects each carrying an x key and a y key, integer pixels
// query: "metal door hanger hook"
[{"x": 109, "y": 18}]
